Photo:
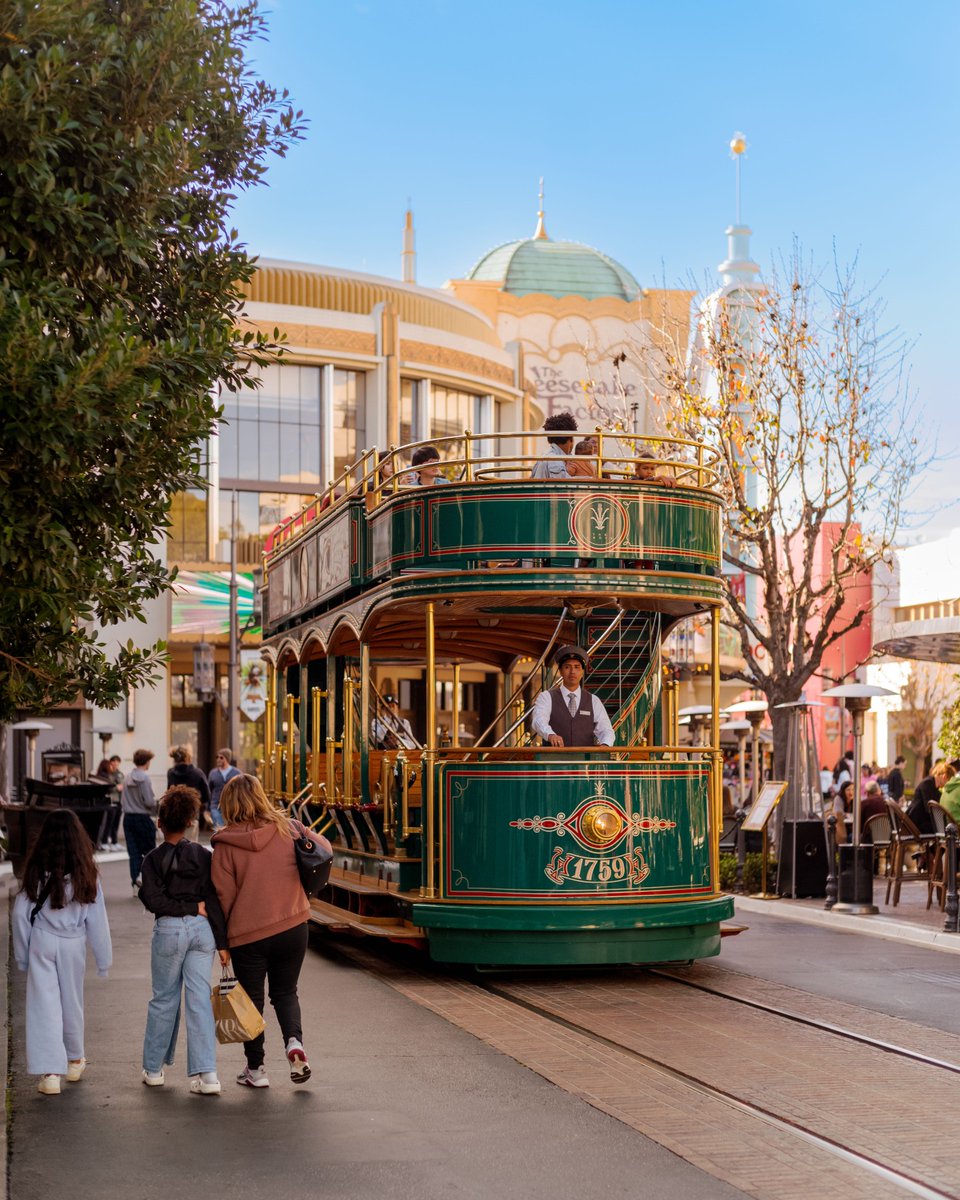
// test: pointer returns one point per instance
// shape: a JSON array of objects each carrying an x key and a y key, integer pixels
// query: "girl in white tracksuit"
[{"x": 57, "y": 913}]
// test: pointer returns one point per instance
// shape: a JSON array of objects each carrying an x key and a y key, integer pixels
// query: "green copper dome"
[{"x": 538, "y": 265}]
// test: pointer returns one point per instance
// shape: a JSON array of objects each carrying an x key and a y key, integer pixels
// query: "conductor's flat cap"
[{"x": 566, "y": 652}]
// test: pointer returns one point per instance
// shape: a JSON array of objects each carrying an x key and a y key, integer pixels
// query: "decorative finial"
[
  {"x": 408, "y": 258},
  {"x": 738, "y": 268},
  {"x": 541, "y": 228},
  {"x": 738, "y": 147}
]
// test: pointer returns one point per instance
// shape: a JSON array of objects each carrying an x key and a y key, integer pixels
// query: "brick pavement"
[{"x": 791, "y": 1070}]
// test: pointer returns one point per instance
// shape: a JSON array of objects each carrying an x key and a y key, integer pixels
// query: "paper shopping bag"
[{"x": 234, "y": 1013}]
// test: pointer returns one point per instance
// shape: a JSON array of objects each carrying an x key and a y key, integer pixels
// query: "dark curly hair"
[
  {"x": 62, "y": 848},
  {"x": 564, "y": 421},
  {"x": 178, "y": 808}
]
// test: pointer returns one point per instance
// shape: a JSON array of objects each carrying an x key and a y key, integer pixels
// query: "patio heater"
[
  {"x": 801, "y": 810},
  {"x": 855, "y": 894},
  {"x": 754, "y": 711},
  {"x": 105, "y": 736},
  {"x": 32, "y": 729},
  {"x": 699, "y": 716},
  {"x": 740, "y": 729}
]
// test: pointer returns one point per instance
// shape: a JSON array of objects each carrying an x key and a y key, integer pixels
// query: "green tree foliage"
[
  {"x": 949, "y": 739},
  {"x": 126, "y": 129}
]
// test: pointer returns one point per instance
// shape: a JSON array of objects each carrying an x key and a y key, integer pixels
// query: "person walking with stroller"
[
  {"x": 57, "y": 913},
  {"x": 189, "y": 927}
]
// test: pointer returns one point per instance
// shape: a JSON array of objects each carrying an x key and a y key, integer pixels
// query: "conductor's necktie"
[{"x": 572, "y": 705}]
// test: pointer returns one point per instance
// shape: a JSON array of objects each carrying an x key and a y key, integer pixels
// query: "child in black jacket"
[{"x": 189, "y": 927}]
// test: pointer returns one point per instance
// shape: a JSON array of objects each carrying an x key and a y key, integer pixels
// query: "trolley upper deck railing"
[
  {"x": 644, "y": 505},
  {"x": 492, "y": 457}
]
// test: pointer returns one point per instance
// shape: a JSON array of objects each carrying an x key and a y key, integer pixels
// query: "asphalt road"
[{"x": 885, "y": 976}]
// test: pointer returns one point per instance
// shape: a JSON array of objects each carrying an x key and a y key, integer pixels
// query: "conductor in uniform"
[
  {"x": 569, "y": 715},
  {"x": 390, "y": 731}
]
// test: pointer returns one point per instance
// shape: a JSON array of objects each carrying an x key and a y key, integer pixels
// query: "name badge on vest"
[{"x": 586, "y": 712}]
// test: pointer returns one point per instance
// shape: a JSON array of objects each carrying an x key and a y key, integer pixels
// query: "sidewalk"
[{"x": 911, "y": 922}]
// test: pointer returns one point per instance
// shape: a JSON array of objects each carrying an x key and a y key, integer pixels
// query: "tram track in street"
[
  {"x": 662, "y": 1065},
  {"x": 908, "y": 1183},
  {"x": 813, "y": 1023}
]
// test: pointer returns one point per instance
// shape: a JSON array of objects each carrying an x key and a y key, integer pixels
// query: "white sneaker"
[
  {"x": 153, "y": 1078},
  {"x": 253, "y": 1077},
  {"x": 297, "y": 1058},
  {"x": 75, "y": 1069},
  {"x": 206, "y": 1084},
  {"x": 49, "y": 1085}
]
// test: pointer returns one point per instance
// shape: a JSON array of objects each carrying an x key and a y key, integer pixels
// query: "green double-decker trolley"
[{"x": 409, "y": 629}]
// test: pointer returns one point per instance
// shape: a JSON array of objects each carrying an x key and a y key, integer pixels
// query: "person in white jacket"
[{"x": 58, "y": 912}]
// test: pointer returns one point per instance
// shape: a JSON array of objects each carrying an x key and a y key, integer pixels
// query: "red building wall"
[{"x": 845, "y": 655}]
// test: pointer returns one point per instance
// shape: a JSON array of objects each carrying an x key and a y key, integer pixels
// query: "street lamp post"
[{"x": 856, "y": 885}]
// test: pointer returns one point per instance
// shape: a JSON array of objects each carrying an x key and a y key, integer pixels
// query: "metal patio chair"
[
  {"x": 878, "y": 832},
  {"x": 907, "y": 839},
  {"x": 937, "y": 879}
]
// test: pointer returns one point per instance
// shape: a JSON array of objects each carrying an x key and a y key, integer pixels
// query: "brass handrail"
[{"x": 702, "y": 469}]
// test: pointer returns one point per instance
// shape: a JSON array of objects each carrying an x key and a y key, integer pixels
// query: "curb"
[{"x": 872, "y": 926}]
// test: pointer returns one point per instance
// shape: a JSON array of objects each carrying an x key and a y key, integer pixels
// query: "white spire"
[
  {"x": 738, "y": 267},
  {"x": 541, "y": 233},
  {"x": 408, "y": 258}
]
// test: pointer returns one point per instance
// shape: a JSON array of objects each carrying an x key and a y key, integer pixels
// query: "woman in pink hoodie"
[{"x": 255, "y": 874}]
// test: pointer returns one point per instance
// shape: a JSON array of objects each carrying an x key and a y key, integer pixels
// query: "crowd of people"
[
  {"x": 131, "y": 798},
  {"x": 240, "y": 899},
  {"x": 881, "y": 784}
]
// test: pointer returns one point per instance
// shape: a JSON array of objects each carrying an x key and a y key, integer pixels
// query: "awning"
[{"x": 936, "y": 639}]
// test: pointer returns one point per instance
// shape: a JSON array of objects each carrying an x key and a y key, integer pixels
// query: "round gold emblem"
[
  {"x": 601, "y": 824},
  {"x": 599, "y": 523}
]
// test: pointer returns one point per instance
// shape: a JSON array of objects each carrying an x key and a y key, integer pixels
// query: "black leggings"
[{"x": 276, "y": 960}]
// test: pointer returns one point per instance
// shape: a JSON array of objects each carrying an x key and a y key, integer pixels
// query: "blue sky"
[{"x": 851, "y": 111}]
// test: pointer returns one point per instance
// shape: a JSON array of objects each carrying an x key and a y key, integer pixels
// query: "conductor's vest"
[{"x": 575, "y": 730}]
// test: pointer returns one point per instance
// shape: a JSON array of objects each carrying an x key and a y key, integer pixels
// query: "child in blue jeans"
[{"x": 189, "y": 927}]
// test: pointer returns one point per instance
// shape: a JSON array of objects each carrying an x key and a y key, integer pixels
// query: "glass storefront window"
[
  {"x": 187, "y": 535},
  {"x": 452, "y": 412},
  {"x": 258, "y": 513},
  {"x": 273, "y": 433},
  {"x": 409, "y": 416},
  {"x": 348, "y": 418}
]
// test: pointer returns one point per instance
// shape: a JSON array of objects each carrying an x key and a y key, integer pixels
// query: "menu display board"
[{"x": 766, "y": 802}]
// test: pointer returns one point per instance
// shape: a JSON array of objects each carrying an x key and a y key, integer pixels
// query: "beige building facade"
[{"x": 371, "y": 362}]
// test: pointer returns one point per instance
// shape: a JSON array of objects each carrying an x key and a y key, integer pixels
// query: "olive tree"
[{"x": 127, "y": 128}]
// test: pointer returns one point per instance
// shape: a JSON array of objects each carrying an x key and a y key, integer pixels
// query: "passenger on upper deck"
[
  {"x": 426, "y": 464},
  {"x": 569, "y": 715},
  {"x": 584, "y": 463},
  {"x": 554, "y": 466},
  {"x": 646, "y": 468}
]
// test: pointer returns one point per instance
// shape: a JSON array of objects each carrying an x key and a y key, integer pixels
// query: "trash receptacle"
[{"x": 856, "y": 875}]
